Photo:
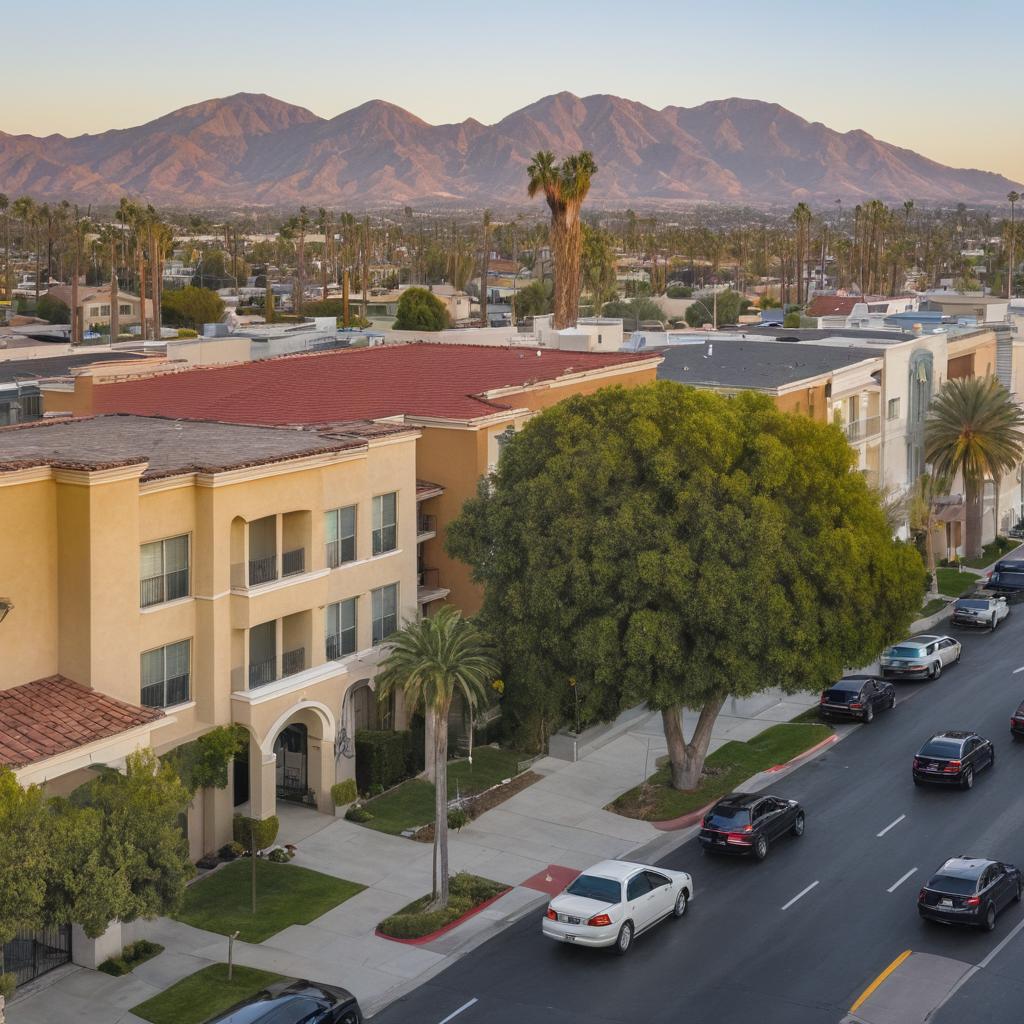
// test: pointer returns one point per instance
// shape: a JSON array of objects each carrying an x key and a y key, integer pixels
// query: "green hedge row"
[
  {"x": 383, "y": 759},
  {"x": 466, "y": 891}
]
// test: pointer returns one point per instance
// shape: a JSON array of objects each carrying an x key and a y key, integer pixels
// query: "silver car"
[
  {"x": 980, "y": 611},
  {"x": 920, "y": 657}
]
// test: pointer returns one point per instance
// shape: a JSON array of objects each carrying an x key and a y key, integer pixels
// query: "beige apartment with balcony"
[{"x": 166, "y": 577}]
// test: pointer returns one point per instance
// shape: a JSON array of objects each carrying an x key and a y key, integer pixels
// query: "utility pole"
[{"x": 1012, "y": 198}]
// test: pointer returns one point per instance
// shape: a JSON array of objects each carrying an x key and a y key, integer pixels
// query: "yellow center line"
[{"x": 878, "y": 981}]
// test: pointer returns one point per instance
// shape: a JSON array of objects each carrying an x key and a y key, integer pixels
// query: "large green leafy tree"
[
  {"x": 670, "y": 546},
  {"x": 420, "y": 310},
  {"x": 25, "y": 855},
  {"x": 431, "y": 661},
  {"x": 192, "y": 307},
  {"x": 975, "y": 429}
]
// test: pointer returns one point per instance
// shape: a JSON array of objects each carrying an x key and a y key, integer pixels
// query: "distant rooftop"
[
  {"x": 753, "y": 364},
  {"x": 171, "y": 447},
  {"x": 48, "y": 367}
]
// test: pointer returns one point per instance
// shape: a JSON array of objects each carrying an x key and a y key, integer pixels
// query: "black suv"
[
  {"x": 1017, "y": 722},
  {"x": 969, "y": 890},
  {"x": 953, "y": 758},
  {"x": 1007, "y": 578},
  {"x": 745, "y": 823},
  {"x": 289, "y": 1001},
  {"x": 856, "y": 697}
]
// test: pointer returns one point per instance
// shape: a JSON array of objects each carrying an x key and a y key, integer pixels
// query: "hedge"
[
  {"x": 344, "y": 792},
  {"x": 264, "y": 831},
  {"x": 466, "y": 891},
  {"x": 383, "y": 759}
]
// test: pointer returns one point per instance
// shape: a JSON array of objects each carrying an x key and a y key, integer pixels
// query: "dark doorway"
[
  {"x": 291, "y": 747},
  {"x": 241, "y": 776}
]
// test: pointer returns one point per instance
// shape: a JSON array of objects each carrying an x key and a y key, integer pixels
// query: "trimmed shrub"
[
  {"x": 466, "y": 891},
  {"x": 187, "y": 332},
  {"x": 8, "y": 984},
  {"x": 383, "y": 758},
  {"x": 116, "y": 967},
  {"x": 791, "y": 321},
  {"x": 278, "y": 855},
  {"x": 132, "y": 955},
  {"x": 358, "y": 814},
  {"x": 261, "y": 833},
  {"x": 344, "y": 792},
  {"x": 457, "y": 817}
]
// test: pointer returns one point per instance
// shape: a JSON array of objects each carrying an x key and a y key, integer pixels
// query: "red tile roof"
[
  {"x": 435, "y": 380},
  {"x": 51, "y": 716},
  {"x": 833, "y": 305}
]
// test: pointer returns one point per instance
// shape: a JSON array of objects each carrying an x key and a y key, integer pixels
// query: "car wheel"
[
  {"x": 1019, "y": 893},
  {"x": 761, "y": 848},
  {"x": 994, "y": 623},
  {"x": 917, "y": 781},
  {"x": 625, "y": 939},
  {"x": 959, "y": 655},
  {"x": 992, "y": 761},
  {"x": 968, "y": 782},
  {"x": 798, "y": 824},
  {"x": 869, "y": 713},
  {"x": 892, "y": 701},
  {"x": 937, "y": 670},
  {"x": 990, "y": 918},
  {"x": 681, "y": 903}
]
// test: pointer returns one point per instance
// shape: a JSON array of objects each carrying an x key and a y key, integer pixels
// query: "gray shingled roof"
[
  {"x": 169, "y": 446},
  {"x": 762, "y": 365}
]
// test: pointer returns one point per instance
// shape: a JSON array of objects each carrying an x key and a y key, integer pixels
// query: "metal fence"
[{"x": 30, "y": 954}]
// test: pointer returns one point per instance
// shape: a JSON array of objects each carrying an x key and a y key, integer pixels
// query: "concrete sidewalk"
[{"x": 531, "y": 842}]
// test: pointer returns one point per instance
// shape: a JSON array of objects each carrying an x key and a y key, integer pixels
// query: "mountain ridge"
[{"x": 253, "y": 149}]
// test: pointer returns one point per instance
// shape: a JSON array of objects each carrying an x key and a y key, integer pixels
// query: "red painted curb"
[
  {"x": 448, "y": 927},
  {"x": 674, "y": 824}
]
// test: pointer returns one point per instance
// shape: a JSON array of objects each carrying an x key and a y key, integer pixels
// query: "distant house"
[
  {"x": 984, "y": 309},
  {"x": 94, "y": 302}
]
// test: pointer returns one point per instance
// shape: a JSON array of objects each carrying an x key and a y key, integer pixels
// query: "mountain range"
[{"x": 251, "y": 149}]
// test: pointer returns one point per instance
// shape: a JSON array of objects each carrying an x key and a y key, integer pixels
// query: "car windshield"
[
  {"x": 953, "y": 884},
  {"x": 971, "y": 603},
  {"x": 904, "y": 652},
  {"x": 728, "y": 817},
  {"x": 591, "y": 887},
  {"x": 941, "y": 748},
  {"x": 1010, "y": 572}
]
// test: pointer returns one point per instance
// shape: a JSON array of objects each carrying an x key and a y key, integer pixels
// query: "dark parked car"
[
  {"x": 1017, "y": 722},
  {"x": 969, "y": 890},
  {"x": 295, "y": 1002},
  {"x": 1007, "y": 577},
  {"x": 745, "y": 823},
  {"x": 953, "y": 759},
  {"x": 856, "y": 697}
]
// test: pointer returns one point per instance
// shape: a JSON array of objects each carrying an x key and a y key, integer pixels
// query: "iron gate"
[{"x": 30, "y": 954}]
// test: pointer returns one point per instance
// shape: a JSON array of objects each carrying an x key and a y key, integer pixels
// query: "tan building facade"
[{"x": 212, "y": 574}]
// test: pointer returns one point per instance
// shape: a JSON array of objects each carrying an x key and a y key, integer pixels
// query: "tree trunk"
[
  {"x": 441, "y": 805},
  {"x": 995, "y": 509},
  {"x": 76, "y": 313},
  {"x": 687, "y": 759},
  {"x": 929, "y": 546},
  {"x": 345, "y": 316},
  {"x": 366, "y": 270},
  {"x": 154, "y": 273},
  {"x": 115, "y": 307},
  {"x": 975, "y": 507},
  {"x": 428, "y": 747}
]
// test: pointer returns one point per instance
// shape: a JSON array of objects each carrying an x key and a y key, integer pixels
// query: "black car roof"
[
  {"x": 1010, "y": 563},
  {"x": 740, "y": 800},
  {"x": 850, "y": 682},
  {"x": 964, "y": 867},
  {"x": 953, "y": 734}
]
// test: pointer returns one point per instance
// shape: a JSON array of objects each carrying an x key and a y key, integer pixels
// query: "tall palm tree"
[
  {"x": 974, "y": 428},
  {"x": 485, "y": 262},
  {"x": 565, "y": 185},
  {"x": 4, "y": 205},
  {"x": 431, "y": 661},
  {"x": 1012, "y": 198},
  {"x": 801, "y": 217}
]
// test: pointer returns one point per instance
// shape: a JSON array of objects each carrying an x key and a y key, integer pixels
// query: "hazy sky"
[{"x": 941, "y": 78}]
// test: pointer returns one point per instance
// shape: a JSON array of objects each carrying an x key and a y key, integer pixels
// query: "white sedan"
[{"x": 614, "y": 901}]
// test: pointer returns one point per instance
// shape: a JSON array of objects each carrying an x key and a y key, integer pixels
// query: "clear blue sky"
[{"x": 942, "y": 78}]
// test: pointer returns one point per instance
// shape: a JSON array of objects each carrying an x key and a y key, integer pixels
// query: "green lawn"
[
  {"x": 952, "y": 582},
  {"x": 933, "y": 606},
  {"x": 412, "y": 803},
  {"x": 725, "y": 770},
  {"x": 202, "y": 995},
  {"x": 285, "y": 895},
  {"x": 992, "y": 552}
]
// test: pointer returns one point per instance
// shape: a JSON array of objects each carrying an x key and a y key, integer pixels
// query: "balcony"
[
  {"x": 293, "y": 562},
  {"x": 426, "y": 527},
  {"x": 340, "y": 645},
  {"x": 159, "y": 589},
  {"x": 863, "y": 430},
  {"x": 260, "y": 673},
  {"x": 428, "y": 587},
  {"x": 262, "y": 570}
]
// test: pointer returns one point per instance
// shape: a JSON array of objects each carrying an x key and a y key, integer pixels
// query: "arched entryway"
[
  {"x": 297, "y": 759},
  {"x": 291, "y": 748}
]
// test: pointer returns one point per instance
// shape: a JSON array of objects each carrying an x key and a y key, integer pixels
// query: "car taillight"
[
  {"x": 920, "y": 896},
  {"x": 917, "y": 762},
  {"x": 551, "y": 915},
  {"x": 600, "y": 921},
  {"x": 972, "y": 901},
  {"x": 821, "y": 699},
  {"x": 739, "y": 838},
  {"x": 952, "y": 767},
  {"x": 856, "y": 706}
]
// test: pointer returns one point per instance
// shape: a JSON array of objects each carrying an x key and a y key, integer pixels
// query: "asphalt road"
[{"x": 745, "y": 952}]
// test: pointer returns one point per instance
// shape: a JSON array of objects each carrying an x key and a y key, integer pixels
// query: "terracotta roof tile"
[
  {"x": 51, "y": 716},
  {"x": 436, "y": 380}
]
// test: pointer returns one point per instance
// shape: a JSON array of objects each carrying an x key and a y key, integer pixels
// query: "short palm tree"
[
  {"x": 974, "y": 428},
  {"x": 430, "y": 661},
  {"x": 565, "y": 185}
]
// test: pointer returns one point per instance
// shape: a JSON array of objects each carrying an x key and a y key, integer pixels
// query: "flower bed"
[
  {"x": 468, "y": 895},
  {"x": 132, "y": 955}
]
